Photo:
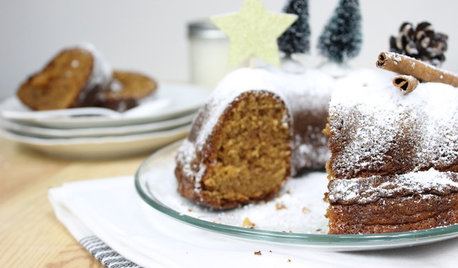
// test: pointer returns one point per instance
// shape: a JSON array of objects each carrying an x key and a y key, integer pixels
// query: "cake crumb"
[
  {"x": 289, "y": 260},
  {"x": 319, "y": 230},
  {"x": 190, "y": 210},
  {"x": 258, "y": 253},
  {"x": 248, "y": 224},
  {"x": 279, "y": 206},
  {"x": 305, "y": 210},
  {"x": 288, "y": 191}
]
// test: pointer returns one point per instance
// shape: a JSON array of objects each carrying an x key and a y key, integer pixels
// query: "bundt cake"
[
  {"x": 125, "y": 91},
  {"x": 394, "y": 157},
  {"x": 258, "y": 128},
  {"x": 71, "y": 79}
]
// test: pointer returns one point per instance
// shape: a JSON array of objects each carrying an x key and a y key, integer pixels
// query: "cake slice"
[
  {"x": 247, "y": 154},
  {"x": 71, "y": 79},
  {"x": 258, "y": 128},
  {"x": 394, "y": 157},
  {"x": 125, "y": 91}
]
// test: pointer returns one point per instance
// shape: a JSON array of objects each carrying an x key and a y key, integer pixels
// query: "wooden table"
[{"x": 30, "y": 234}]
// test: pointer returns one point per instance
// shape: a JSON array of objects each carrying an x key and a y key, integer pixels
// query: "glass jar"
[{"x": 208, "y": 52}]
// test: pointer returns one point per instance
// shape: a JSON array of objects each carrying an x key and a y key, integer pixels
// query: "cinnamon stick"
[
  {"x": 409, "y": 66},
  {"x": 406, "y": 83}
]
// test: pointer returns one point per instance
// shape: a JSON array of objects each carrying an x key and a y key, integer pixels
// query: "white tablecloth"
[{"x": 108, "y": 217}]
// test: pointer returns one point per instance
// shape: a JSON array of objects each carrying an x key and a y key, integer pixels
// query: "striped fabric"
[{"x": 104, "y": 254}]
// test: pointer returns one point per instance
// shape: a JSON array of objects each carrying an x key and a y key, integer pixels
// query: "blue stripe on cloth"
[{"x": 104, "y": 254}]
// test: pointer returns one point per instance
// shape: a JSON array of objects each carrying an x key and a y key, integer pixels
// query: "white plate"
[
  {"x": 104, "y": 147},
  {"x": 169, "y": 101},
  {"x": 44, "y": 132}
]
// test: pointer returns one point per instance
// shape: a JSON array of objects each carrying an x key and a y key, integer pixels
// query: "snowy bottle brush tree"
[
  {"x": 296, "y": 39},
  {"x": 341, "y": 38}
]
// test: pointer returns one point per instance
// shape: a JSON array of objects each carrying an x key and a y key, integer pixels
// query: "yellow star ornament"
[{"x": 253, "y": 31}]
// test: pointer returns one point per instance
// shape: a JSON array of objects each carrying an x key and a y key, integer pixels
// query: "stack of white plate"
[{"x": 100, "y": 133}]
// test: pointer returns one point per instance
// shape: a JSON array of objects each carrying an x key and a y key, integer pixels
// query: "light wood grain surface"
[{"x": 30, "y": 234}]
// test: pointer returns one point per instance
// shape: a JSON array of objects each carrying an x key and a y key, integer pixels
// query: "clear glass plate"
[{"x": 153, "y": 183}]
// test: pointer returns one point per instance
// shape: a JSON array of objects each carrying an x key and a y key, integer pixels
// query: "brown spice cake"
[
  {"x": 71, "y": 79},
  {"x": 125, "y": 90},
  {"x": 394, "y": 157},
  {"x": 258, "y": 128},
  {"x": 251, "y": 142}
]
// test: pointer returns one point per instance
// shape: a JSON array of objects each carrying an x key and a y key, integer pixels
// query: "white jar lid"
[{"x": 204, "y": 29}]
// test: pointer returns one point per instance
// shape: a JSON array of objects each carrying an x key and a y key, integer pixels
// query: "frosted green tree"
[
  {"x": 297, "y": 38},
  {"x": 341, "y": 38}
]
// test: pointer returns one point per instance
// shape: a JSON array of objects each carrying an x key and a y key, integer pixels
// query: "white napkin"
[{"x": 108, "y": 218}]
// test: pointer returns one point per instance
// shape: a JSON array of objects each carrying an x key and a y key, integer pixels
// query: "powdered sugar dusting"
[
  {"x": 311, "y": 89},
  {"x": 370, "y": 115},
  {"x": 370, "y": 189},
  {"x": 308, "y": 153},
  {"x": 295, "y": 209},
  {"x": 186, "y": 156},
  {"x": 398, "y": 58},
  {"x": 101, "y": 71}
]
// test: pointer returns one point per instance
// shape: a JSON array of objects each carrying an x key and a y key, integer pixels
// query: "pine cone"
[{"x": 421, "y": 43}]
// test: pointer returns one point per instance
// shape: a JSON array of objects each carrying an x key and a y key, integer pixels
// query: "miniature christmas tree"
[
  {"x": 296, "y": 38},
  {"x": 341, "y": 38}
]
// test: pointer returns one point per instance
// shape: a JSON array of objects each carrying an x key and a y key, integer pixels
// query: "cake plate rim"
[{"x": 344, "y": 242}]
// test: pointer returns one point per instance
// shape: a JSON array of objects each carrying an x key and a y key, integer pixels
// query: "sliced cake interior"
[
  {"x": 71, "y": 79},
  {"x": 60, "y": 84},
  {"x": 248, "y": 155},
  {"x": 125, "y": 90}
]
